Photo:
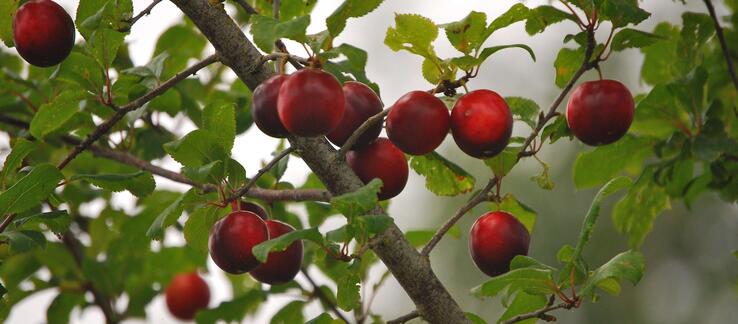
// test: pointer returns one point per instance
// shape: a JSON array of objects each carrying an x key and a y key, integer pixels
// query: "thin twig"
[
  {"x": 275, "y": 8},
  {"x": 723, "y": 44},
  {"x": 6, "y": 222},
  {"x": 319, "y": 293},
  {"x": 476, "y": 200},
  {"x": 243, "y": 190},
  {"x": 281, "y": 55},
  {"x": 351, "y": 141},
  {"x": 103, "y": 128},
  {"x": 542, "y": 120},
  {"x": 127, "y": 158},
  {"x": 247, "y": 7},
  {"x": 541, "y": 313},
  {"x": 144, "y": 12},
  {"x": 405, "y": 318},
  {"x": 76, "y": 248}
]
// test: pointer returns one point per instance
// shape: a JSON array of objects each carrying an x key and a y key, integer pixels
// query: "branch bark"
[
  {"x": 319, "y": 293},
  {"x": 412, "y": 270},
  {"x": 723, "y": 44}
]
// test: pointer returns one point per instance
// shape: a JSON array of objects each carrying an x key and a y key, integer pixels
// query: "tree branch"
[
  {"x": 479, "y": 198},
  {"x": 103, "y": 128},
  {"x": 243, "y": 190},
  {"x": 723, "y": 44},
  {"x": 412, "y": 271},
  {"x": 541, "y": 313},
  {"x": 144, "y": 12},
  {"x": 351, "y": 141},
  {"x": 6, "y": 222},
  {"x": 542, "y": 120},
  {"x": 319, "y": 293},
  {"x": 75, "y": 247},
  {"x": 405, "y": 318}
]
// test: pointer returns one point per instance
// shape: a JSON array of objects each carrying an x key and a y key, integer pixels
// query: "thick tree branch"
[
  {"x": 319, "y": 293},
  {"x": 412, "y": 271},
  {"x": 105, "y": 127},
  {"x": 723, "y": 44}
]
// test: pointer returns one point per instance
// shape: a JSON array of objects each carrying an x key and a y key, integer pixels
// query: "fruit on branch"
[
  {"x": 383, "y": 160},
  {"x": 495, "y": 239},
  {"x": 186, "y": 294},
  {"x": 600, "y": 112},
  {"x": 255, "y": 208},
  {"x": 481, "y": 123},
  {"x": 311, "y": 103},
  {"x": 232, "y": 239},
  {"x": 280, "y": 267},
  {"x": 361, "y": 104},
  {"x": 264, "y": 107},
  {"x": 418, "y": 123},
  {"x": 43, "y": 33}
]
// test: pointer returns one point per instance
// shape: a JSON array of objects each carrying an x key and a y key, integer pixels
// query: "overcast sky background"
[{"x": 511, "y": 73}]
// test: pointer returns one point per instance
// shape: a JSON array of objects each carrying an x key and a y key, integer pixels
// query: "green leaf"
[
  {"x": 324, "y": 318},
  {"x": 267, "y": 30},
  {"x": 413, "y": 33},
  {"x": 627, "y": 265},
  {"x": 23, "y": 241},
  {"x": 61, "y": 307},
  {"x": 518, "y": 12},
  {"x": 522, "y": 304},
  {"x": 31, "y": 190},
  {"x": 442, "y": 177},
  {"x": 541, "y": 17},
  {"x": 13, "y": 161},
  {"x": 290, "y": 313},
  {"x": 475, "y": 319},
  {"x": 659, "y": 114},
  {"x": 348, "y": 295},
  {"x": 593, "y": 213},
  {"x": 290, "y": 9},
  {"x": 6, "y": 21},
  {"x": 104, "y": 43},
  {"x": 432, "y": 73},
  {"x": 597, "y": 166},
  {"x": 233, "y": 310},
  {"x": 167, "y": 217},
  {"x": 220, "y": 121},
  {"x": 336, "y": 22},
  {"x": 503, "y": 162},
  {"x": 359, "y": 202},
  {"x": 543, "y": 180},
  {"x": 181, "y": 43},
  {"x": 662, "y": 63},
  {"x": 57, "y": 112},
  {"x": 469, "y": 33},
  {"x": 523, "y": 109},
  {"x": 198, "y": 225},
  {"x": 139, "y": 183},
  {"x": 530, "y": 280},
  {"x": 209, "y": 173},
  {"x": 57, "y": 221},
  {"x": 567, "y": 63},
  {"x": 281, "y": 243},
  {"x": 418, "y": 238},
  {"x": 635, "y": 213},
  {"x": 523, "y": 213},
  {"x": 196, "y": 149},
  {"x": 81, "y": 70},
  {"x": 487, "y": 52},
  {"x": 632, "y": 38},
  {"x": 556, "y": 130},
  {"x": 621, "y": 12}
]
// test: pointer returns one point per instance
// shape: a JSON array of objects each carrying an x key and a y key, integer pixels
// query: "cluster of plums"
[
  {"x": 230, "y": 243},
  {"x": 43, "y": 33},
  {"x": 311, "y": 102}
]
